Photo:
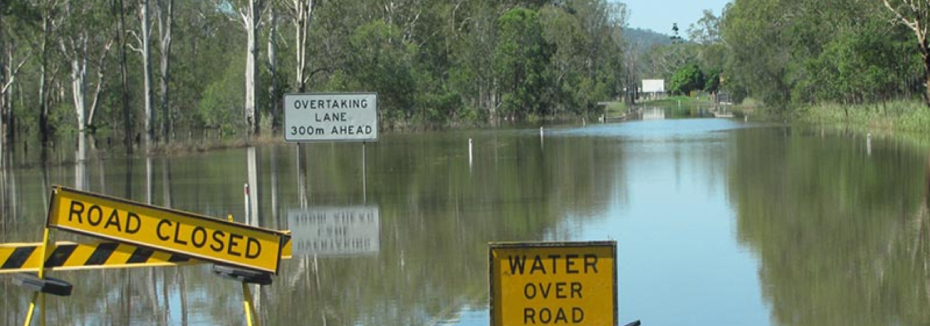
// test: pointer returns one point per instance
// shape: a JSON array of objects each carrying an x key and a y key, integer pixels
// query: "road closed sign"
[
  {"x": 167, "y": 230},
  {"x": 562, "y": 283},
  {"x": 327, "y": 117}
]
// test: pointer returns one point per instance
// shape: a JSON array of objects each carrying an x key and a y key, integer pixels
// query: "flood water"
[{"x": 717, "y": 222}]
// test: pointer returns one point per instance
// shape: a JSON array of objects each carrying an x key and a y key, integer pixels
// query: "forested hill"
[
  {"x": 164, "y": 67},
  {"x": 645, "y": 38}
]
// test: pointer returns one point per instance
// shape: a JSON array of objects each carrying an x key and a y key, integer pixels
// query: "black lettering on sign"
[
  {"x": 250, "y": 244},
  {"x": 569, "y": 261},
  {"x": 537, "y": 265},
  {"x": 590, "y": 261},
  {"x": 233, "y": 242},
  {"x": 158, "y": 230},
  {"x": 130, "y": 218},
  {"x": 562, "y": 290},
  {"x": 577, "y": 315},
  {"x": 76, "y": 209},
  {"x": 546, "y": 316},
  {"x": 560, "y": 316},
  {"x": 90, "y": 215},
  {"x": 529, "y": 291},
  {"x": 576, "y": 289},
  {"x": 554, "y": 259},
  {"x": 113, "y": 220},
  {"x": 218, "y": 244},
  {"x": 516, "y": 263},
  {"x": 177, "y": 232},
  {"x": 199, "y": 230}
]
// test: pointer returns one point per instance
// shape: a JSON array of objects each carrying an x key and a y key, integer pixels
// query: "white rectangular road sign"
[
  {"x": 335, "y": 231},
  {"x": 326, "y": 117}
]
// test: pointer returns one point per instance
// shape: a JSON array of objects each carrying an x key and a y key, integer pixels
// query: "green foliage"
[
  {"x": 792, "y": 52},
  {"x": 520, "y": 62},
  {"x": 381, "y": 61},
  {"x": 712, "y": 81},
  {"x": 687, "y": 79},
  {"x": 433, "y": 64},
  {"x": 221, "y": 106}
]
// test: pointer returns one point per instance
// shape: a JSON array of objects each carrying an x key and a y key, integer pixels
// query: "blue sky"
[{"x": 658, "y": 15}]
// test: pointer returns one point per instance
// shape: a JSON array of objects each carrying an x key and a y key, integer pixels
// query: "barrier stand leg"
[
  {"x": 32, "y": 308},
  {"x": 40, "y": 295},
  {"x": 250, "y": 317},
  {"x": 42, "y": 274}
]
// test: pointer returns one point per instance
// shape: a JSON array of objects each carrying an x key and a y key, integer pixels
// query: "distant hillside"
[{"x": 645, "y": 38}]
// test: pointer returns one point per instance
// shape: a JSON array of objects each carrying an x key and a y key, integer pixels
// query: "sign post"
[
  {"x": 564, "y": 283},
  {"x": 172, "y": 231},
  {"x": 326, "y": 117}
]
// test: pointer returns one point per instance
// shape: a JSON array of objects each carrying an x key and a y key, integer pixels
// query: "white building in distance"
[{"x": 653, "y": 88}]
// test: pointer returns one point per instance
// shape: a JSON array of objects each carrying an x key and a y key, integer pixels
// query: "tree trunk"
[
  {"x": 925, "y": 54},
  {"x": 165, "y": 20},
  {"x": 100, "y": 80},
  {"x": 4, "y": 98},
  {"x": 44, "y": 129},
  {"x": 303, "y": 9},
  {"x": 273, "y": 66},
  {"x": 149, "y": 119},
  {"x": 250, "y": 21},
  {"x": 127, "y": 113},
  {"x": 76, "y": 51}
]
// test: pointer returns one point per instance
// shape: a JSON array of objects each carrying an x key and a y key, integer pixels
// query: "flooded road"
[{"x": 716, "y": 221}]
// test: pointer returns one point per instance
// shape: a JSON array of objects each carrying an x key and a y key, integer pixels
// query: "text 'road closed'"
[
  {"x": 553, "y": 283},
  {"x": 167, "y": 230}
]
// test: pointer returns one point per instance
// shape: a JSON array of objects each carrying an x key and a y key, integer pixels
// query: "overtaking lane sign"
[
  {"x": 168, "y": 230},
  {"x": 327, "y": 117}
]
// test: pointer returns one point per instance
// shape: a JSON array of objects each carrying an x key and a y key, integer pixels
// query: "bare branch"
[
  {"x": 9, "y": 83},
  {"x": 136, "y": 36}
]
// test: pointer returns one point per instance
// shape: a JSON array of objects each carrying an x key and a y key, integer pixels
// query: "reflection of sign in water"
[
  {"x": 168, "y": 230},
  {"x": 335, "y": 230},
  {"x": 566, "y": 283},
  {"x": 653, "y": 114}
]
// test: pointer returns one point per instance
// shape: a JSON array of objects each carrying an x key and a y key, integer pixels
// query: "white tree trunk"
[
  {"x": 250, "y": 18},
  {"x": 149, "y": 119},
  {"x": 78, "y": 83},
  {"x": 273, "y": 65},
  {"x": 303, "y": 9}
]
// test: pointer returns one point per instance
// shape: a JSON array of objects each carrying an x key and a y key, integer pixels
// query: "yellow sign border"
[
  {"x": 53, "y": 209},
  {"x": 540, "y": 244}
]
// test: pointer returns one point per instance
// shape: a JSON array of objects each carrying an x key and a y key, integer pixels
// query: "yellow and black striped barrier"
[
  {"x": 25, "y": 257},
  {"x": 69, "y": 256}
]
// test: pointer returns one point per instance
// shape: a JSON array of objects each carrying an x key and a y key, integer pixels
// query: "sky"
[{"x": 658, "y": 15}]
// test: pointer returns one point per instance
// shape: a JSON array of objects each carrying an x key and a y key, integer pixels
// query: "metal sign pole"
[{"x": 364, "y": 175}]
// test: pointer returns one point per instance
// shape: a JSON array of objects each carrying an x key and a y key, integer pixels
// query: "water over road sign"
[
  {"x": 324, "y": 117},
  {"x": 560, "y": 283},
  {"x": 167, "y": 230}
]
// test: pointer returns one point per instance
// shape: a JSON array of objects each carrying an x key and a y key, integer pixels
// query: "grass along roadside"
[{"x": 893, "y": 116}]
